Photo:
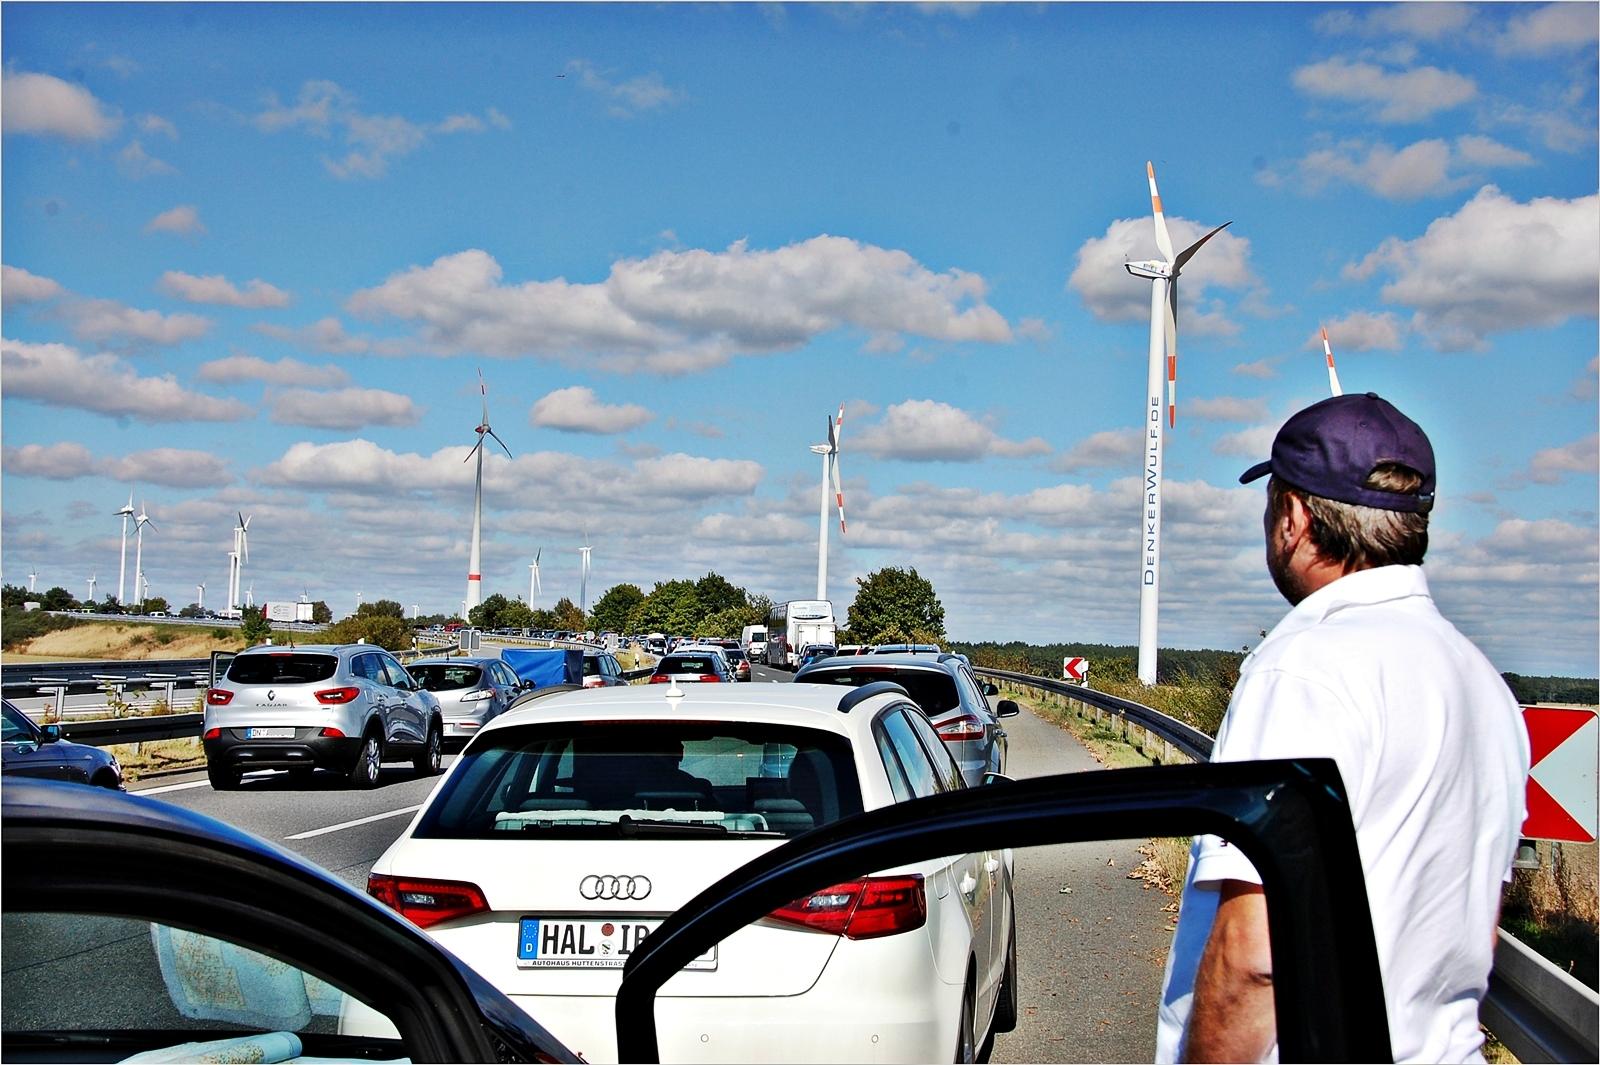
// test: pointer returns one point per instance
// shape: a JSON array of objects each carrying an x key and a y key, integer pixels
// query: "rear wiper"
[{"x": 634, "y": 828}]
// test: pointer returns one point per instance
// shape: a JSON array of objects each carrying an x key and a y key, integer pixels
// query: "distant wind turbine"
[
  {"x": 1333, "y": 375},
  {"x": 236, "y": 560},
  {"x": 533, "y": 579},
  {"x": 475, "y": 563},
  {"x": 125, "y": 512},
  {"x": 830, "y": 469},
  {"x": 141, "y": 587},
  {"x": 250, "y": 596},
  {"x": 1163, "y": 275},
  {"x": 93, "y": 580},
  {"x": 33, "y": 576},
  {"x": 200, "y": 605},
  {"x": 583, "y": 573}
]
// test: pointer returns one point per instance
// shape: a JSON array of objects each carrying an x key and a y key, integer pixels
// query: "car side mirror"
[
  {"x": 997, "y": 778},
  {"x": 52, "y": 734},
  {"x": 990, "y": 689},
  {"x": 1007, "y": 708}
]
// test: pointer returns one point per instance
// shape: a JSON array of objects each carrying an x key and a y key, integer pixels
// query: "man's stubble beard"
[{"x": 1290, "y": 585}]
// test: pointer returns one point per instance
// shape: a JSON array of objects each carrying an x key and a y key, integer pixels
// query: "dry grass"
[
  {"x": 1553, "y": 908},
  {"x": 158, "y": 755},
  {"x": 126, "y": 641}
]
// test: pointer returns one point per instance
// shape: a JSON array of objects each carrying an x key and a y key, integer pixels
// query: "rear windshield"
[
  {"x": 933, "y": 690},
  {"x": 444, "y": 678},
  {"x": 646, "y": 780},
  {"x": 591, "y": 666},
  {"x": 735, "y": 655},
  {"x": 700, "y": 664},
  {"x": 282, "y": 667}
]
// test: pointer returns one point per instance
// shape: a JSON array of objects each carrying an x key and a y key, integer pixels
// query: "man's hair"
[{"x": 1361, "y": 537}]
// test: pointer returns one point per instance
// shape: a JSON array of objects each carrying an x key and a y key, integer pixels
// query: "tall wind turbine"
[
  {"x": 474, "y": 564},
  {"x": 1333, "y": 375},
  {"x": 139, "y": 585},
  {"x": 125, "y": 512},
  {"x": 830, "y": 468},
  {"x": 1163, "y": 274},
  {"x": 583, "y": 573},
  {"x": 200, "y": 603},
  {"x": 250, "y": 596},
  {"x": 533, "y": 579},
  {"x": 236, "y": 560},
  {"x": 94, "y": 579}
]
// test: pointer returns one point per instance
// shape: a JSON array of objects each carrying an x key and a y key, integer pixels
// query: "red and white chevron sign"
[
  {"x": 1075, "y": 669},
  {"x": 1561, "y": 785}
]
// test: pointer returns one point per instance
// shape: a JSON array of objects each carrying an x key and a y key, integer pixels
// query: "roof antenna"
[{"x": 673, "y": 691}]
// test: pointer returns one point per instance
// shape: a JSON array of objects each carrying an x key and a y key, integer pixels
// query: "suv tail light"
[
  {"x": 708, "y": 678},
  {"x": 213, "y": 734},
  {"x": 965, "y": 727},
  {"x": 218, "y": 697},
  {"x": 861, "y": 909},
  {"x": 337, "y": 695},
  {"x": 427, "y": 902}
]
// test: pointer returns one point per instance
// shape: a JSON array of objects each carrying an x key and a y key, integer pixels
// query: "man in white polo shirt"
[{"x": 1426, "y": 735}]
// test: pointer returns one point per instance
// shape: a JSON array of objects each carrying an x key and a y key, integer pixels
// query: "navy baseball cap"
[{"x": 1331, "y": 447}]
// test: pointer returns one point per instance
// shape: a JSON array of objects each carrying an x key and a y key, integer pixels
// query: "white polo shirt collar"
[{"x": 1365, "y": 587}]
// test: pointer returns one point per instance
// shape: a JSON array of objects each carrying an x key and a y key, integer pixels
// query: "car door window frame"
[
  {"x": 913, "y": 753},
  {"x": 944, "y": 765}
]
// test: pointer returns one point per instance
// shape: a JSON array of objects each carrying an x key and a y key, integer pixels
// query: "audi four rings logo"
[{"x": 614, "y": 887}]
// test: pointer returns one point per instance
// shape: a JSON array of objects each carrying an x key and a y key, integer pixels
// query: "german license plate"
[
  {"x": 269, "y": 733},
  {"x": 557, "y": 943}
]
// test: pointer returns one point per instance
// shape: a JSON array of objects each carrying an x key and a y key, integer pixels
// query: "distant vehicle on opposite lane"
[{"x": 30, "y": 750}]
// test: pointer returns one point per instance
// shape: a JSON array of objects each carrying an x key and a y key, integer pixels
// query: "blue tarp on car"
[{"x": 546, "y": 665}]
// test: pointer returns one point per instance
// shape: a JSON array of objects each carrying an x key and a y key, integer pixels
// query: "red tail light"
[
  {"x": 660, "y": 678},
  {"x": 427, "y": 902},
  {"x": 861, "y": 909},
  {"x": 213, "y": 734},
  {"x": 965, "y": 727},
  {"x": 218, "y": 696},
  {"x": 337, "y": 695},
  {"x": 333, "y": 733},
  {"x": 709, "y": 678}
]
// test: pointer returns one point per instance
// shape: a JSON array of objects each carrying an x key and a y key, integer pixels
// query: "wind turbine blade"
[
  {"x": 838, "y": 491},
  {"x": 1333, "y": 375},
  {"x": 1188, "y": 253},
  {"x": 501, "y": 442},
  {"x": 1172, "y": 353},
  {"x": 474, "y": 450},
  {"x": 1163, "y": 240}
]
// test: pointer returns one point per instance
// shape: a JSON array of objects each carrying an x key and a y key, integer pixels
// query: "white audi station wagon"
[{"x": 567, "y": 831}]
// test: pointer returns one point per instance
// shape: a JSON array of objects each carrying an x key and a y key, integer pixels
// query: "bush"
[
  {"x": 389, "y": 633},
  {"x": 19, "y": 626},
  {"x": 254, "y": 626}
]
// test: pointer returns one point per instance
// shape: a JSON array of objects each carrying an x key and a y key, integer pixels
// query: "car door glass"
[
  {"x": 144, "y": 986},
  {"x": 891, "y": 765},
  {"x": 919, "y": 771},
  {"x": 17, "y": 729},
  {"x": 367, "y": 667},
  {"x": 971, "y": 694},
  {"x": 944, "y": 766}
]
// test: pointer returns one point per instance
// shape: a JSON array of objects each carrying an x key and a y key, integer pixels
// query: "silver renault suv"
[{"x": 349, "y": 708}]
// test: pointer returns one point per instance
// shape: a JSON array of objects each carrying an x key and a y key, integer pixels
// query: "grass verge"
[{"x": 140, "y": 760}]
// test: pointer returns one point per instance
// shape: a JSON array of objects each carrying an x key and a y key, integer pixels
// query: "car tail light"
[
  {"x": 660, "y": 678},
  {"x": 861, "y": 909},
  {"x": 965, "y": 727},
  {"x": 333, "y": 733},
  {"x": 218, "y": 696},
  {"x": 710, "y": 678},
  {"x": 594, "y": 682},
  {"x": 427, "y": 902},
  {"x": 213, "y": 734},
  {"x": 337, "y": 695},
  {"x": 478, "y": 696}
]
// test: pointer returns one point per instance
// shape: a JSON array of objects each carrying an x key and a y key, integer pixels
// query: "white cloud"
[
  {"x": 1363, "y": 331},
  {"x": 182, "y": 219},
  {"x": 1225, "y": 409},
  {"x": 1425, "y": 168},
  {"x": 1404, "y": 96},
  {"x": 1485, "y": 151},
  {"x": 236, "y": 369},
  {"x": 346, "y": 408},
  {"x": 577, "y": 410},
  {"x": 43, "y": 106},
  {"x": 168, "y": 466},
  {"x": 328, "y": 336},
  {"x": 646, "y": 92},
  {"x": 107, "y": 321},
  {"x": 1113, "y": 447},
  {"x": 18, "y": 286},
  {"x": 680, "y": 311},
  {"x": 1263, "y": 368},
  {"x": 924, "y": 430},
  {"x": 60, "y": 376},
  {"x": 1420, "y": 21},
  {"x": 1254, "y": 443},
  {"x": 1580, "y": 456},
  {"x": 1556, "y": 27},
  {"x": 135, "y": 163},
  {"x": 217, "y": 289},
  {"x": 1114, "y": 295},
  {"x": 157, "y": 124},
  {"x": 1494, "y": 266}
]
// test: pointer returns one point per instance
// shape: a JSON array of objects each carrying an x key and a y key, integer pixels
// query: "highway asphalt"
[{"x": 1091, "y": 942}]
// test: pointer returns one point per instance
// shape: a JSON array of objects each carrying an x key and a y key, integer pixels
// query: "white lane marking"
[
  {"x": 353, "y": 824},
  {"x": 172, "y": 787}
]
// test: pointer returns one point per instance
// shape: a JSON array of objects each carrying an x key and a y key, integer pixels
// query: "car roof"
[
  {"x": 442, "y": 661},
  {"x": 311, "y": 648},
  {"x": 938, "y": 663},
  {"x": 811, "y": 706}
]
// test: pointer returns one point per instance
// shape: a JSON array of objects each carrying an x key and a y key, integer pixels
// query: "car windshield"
[
  {"x": 438, "y": 677},
  {"x": 933, "y": 689},
  {"x": 282, "y": 667},
  {"x": 697, "y": 664},
  {"x": 713, "y": 780}
]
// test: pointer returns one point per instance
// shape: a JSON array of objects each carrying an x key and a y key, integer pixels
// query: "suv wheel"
[
  {"x": 222, "y": 779},
  {"x": 427, "y": 764},
  {"x": 364, "y": 774}
]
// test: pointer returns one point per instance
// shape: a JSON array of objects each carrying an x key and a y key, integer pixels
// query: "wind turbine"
[
  {"x": 250, "y": 596},
  {"x": 474, "y": 564},
  {"x": 830, "y": 468},
  {"x": 139, "y": 584},
  {"x": 1333, "y": 375},
  {"x": 583, "y": 573},
  {"x": 1163, "y": 275},
  {"x": 33, "y": 576},
  {"x": 125, "y": 512},
  {"x": 534, "y": 588},
  {"x": 236, "y": 560},
  {"x": 94, "y": 579},
  {"x": 200, "y": 605}
]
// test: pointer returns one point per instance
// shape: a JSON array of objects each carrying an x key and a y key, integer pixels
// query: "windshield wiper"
[{"x": 632, "y": 828}]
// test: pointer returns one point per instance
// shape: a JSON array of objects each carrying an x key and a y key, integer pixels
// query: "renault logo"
[
  {"x": 614, "y": 887},
  {"x": 271, "y": 695}
]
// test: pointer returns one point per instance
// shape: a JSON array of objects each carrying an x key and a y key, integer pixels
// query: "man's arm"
[{"x": 1232, "y": 1018}]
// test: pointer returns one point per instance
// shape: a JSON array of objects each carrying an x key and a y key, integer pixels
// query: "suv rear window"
[
  {"x": 699, "y": 664},
  {"x": 282, "y": 667},
  {"x": 932, "y": 689},
  {"x": 710, "y": 780},
  {"x": 443, "y": 678}
]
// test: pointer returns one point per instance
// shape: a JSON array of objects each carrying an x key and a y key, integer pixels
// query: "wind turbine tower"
[
  {"x": 583, "y": 573},
  {"x": 94, "y": 579},
  {"x": 1333, "y": 375},
  {"x": 140, "y": 586},
  {"x": 1163, "y": 275},
  {"x": 125, "y": 513},
  {"x": 475, "y": 563},
  {"x": 830, "y": 469},
  {"x": 33, "y": 577},
  {"x": 200, "y": 603},
  {"x": 236, "y": 560},
  {"x": 533, "y": 579}
]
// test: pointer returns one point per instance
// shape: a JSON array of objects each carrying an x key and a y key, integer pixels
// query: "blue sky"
[{"x": 675, "y": 238}]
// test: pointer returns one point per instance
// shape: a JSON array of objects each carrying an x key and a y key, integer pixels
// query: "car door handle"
[{"x": 991, "y": 865}]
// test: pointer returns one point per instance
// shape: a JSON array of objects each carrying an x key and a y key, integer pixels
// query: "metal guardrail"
[
  {"x": 21, "y": 679},
  {"x": 104, "y": 733},
  {"x": 1540, "y": 1013}
]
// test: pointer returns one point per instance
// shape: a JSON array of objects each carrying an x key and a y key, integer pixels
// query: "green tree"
[
  {"x": 151, "y": 605},
  {"x": 320, "y": 614},
  {"x": 615, "y": 609},
  {"x": 390, "y": 633},
  {"x": 895, "y": 605},
  {"x": 717, "y": 594},
  {"x": 568, "y": 616},
  {"x": 254, "y": 626},
  {"x": 486, "y": 615},
  {"x": 672, "y": 607},
  {"x": 14, "y": 595},
  {"x": 57, "y": 599},
  {"x": 382, "y": 608},
  {"x": 190, "y": 611}
]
